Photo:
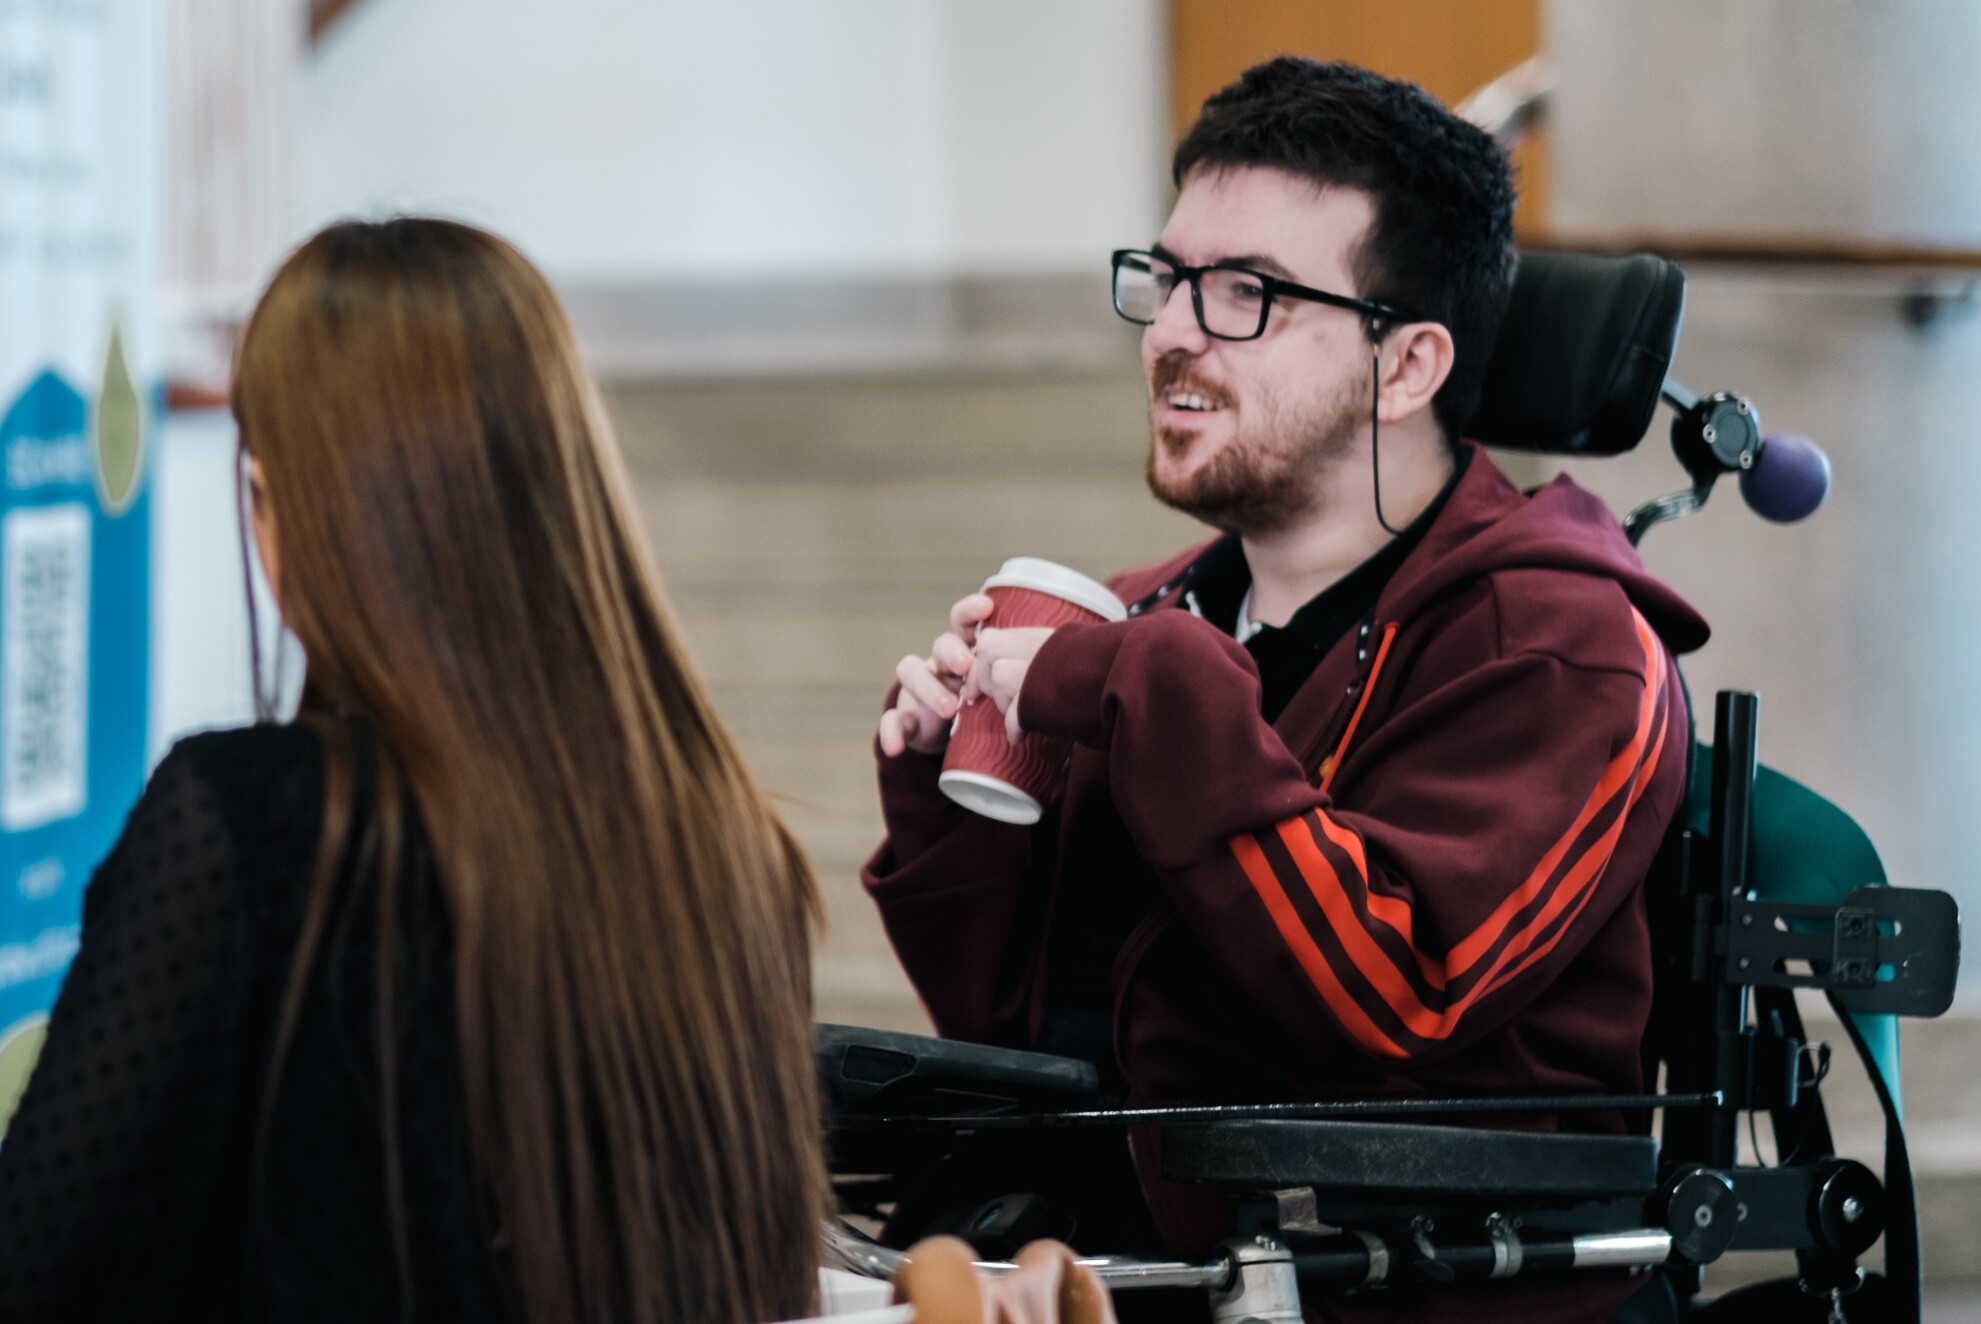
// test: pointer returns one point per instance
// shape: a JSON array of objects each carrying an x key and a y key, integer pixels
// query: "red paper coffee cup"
[{"x": 982, "y": 769}]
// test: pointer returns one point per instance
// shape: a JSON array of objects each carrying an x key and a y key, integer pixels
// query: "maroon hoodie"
[{"x": 1424, "y": 878}]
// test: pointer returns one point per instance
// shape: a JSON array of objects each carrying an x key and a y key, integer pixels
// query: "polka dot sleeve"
[{"x": 138, "y": 1112}]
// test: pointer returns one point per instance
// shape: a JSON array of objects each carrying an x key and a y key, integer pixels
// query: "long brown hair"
[{"x": 461, "y": 563}]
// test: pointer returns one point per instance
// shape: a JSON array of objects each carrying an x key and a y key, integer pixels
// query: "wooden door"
[{"x": 1450, "y": 47}]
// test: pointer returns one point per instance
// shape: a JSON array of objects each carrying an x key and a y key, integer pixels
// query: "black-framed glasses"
[{"x": 1231, "y": 302}]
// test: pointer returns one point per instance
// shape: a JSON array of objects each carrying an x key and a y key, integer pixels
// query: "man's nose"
[{"x": 1175, "y": 329}]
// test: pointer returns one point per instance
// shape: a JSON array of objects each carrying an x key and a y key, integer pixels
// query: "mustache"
[{"x": 1175, "y": 373}]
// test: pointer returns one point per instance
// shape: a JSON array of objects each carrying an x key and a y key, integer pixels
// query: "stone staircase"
[{"x": 813, "y": 529}]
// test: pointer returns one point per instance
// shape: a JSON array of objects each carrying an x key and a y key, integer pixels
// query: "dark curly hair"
[{"x": 1441, "y": 244}]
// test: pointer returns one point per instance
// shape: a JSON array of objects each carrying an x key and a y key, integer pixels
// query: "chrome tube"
[
  {"x": 1636, "y": 1249},
  {"x": 1118, "y": 1273},
  {"x": 848, "y": 1249}
]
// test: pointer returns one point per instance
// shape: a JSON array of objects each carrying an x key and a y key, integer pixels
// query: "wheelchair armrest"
[
  {"x": 1398, "y": 1160},
  {"x": 876, "y": 1072}
]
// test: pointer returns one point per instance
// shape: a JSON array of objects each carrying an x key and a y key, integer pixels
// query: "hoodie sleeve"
[
  {"x": 963, "y": 898},
  {"x": 1463, "y": 852},
  {"x": 957, "y": 898}
]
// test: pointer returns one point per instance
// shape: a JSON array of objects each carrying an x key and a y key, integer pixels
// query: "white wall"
[
  {"x": 1824, "y": 117},
  {"x": 629, "y": 141},
  {"x": 1832, "y": 117},
  {"x": 668, "y": 139},
  {"x": 200, "y": 674}
]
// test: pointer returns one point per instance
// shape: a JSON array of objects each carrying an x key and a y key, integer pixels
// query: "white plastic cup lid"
[{"x": 1043, "y": 576}]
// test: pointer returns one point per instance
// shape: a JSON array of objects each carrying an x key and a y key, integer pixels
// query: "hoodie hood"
[{"x": 1490, "y": 525}]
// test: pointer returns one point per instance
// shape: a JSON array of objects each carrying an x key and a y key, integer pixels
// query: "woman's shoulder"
[
  {"x": 221, "y": 838},
  {"x": 264, "y": 782},
  {"x": 265, "y": 745},
  {"x": 258, "y": 760}
]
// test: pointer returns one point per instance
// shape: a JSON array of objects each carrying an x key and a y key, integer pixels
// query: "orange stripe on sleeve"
[
  {"x": 1578, "y": 886},
  {"x": 1621, "y": 768},
  {"x": 1332, "y": 764},
  {"x": 1375, "y": 965},
  {"x": 1637, "y": 793},
  {"x": 1347, "y": 1011},
  {"x": 1630, "y": 771}
]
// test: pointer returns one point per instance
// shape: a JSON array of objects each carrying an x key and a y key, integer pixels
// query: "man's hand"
[
  {"x": 1002, "y": 659},
  {"x": 930, "y": 686}
]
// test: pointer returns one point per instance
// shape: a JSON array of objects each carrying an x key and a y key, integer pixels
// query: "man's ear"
[{"x": 1415, "y": 360}]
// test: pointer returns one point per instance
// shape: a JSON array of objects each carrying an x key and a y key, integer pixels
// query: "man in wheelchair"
[{"x": 1365, "y": 792}]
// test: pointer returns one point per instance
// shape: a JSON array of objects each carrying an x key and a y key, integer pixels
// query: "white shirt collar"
[{"x": 1245, "y": 627}]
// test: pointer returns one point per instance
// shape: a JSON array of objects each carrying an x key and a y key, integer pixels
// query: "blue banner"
[
  {"x": 81, "y": 147},
  {"x": 75, "y": 637}
]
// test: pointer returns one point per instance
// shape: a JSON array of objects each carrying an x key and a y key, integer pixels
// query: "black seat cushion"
[
  {"x": 1397, "y": 1160},
  {"x": 1582, "y": 354}
]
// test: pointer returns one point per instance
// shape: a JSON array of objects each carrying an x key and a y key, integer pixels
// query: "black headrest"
[{"x": 1582, "y": 354}]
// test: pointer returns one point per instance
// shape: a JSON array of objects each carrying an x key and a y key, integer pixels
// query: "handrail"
[
  {"x": 1763, "y": 249},
  {"x": 1514, "y": 104}
]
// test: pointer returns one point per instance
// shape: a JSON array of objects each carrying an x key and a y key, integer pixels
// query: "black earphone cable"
[{"x": 1375, "y": 429}]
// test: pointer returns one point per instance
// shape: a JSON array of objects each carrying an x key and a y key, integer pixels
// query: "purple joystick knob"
[{"x": 1789, "y": 480}]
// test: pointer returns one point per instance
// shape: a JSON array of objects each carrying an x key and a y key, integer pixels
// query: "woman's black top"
[{"x": 132, "y": 1182}]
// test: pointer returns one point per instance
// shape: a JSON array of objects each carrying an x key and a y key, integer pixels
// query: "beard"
[{"x": 1269, "y": 474}]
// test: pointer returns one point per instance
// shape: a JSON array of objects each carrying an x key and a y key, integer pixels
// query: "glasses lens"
[
  {"x": 1141, "y": 285},
  {"x": 1234, "y": 304}
]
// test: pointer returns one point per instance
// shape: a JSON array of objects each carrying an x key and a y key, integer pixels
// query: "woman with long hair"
[{"x": 481, "y": 990}]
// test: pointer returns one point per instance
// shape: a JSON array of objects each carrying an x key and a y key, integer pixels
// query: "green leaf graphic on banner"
[
  {"x": 119, "y": 428},
  {"x": 19, "y": 1048}
]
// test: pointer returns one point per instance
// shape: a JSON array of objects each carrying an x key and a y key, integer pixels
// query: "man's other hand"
[
  {"x": 931, "y": 686},
  {"x": 1002, "y": 659}
]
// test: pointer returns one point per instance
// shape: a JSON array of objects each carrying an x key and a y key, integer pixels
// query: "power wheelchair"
[{"x": 1761, "y": 889}]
